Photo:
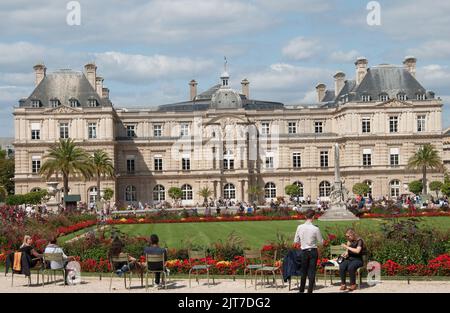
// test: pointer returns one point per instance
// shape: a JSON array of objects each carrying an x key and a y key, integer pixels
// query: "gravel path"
[{"x": 94, "y": 285}]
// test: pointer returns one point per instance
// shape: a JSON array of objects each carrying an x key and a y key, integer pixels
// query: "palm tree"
[
  {"x": 102, "y": 166},
  {"x": 254, "y": 191},
  {"x": 66, "y": 158},
  {"x": 425, "y": 158},
  {"x": 205, "y": 193}
]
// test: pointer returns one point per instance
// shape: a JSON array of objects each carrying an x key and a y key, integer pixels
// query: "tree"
[
  {"x": 254, "y": 191},
  {"x": 446, "y": 189},
  {"x": 427, "y": 157},
  {"x": 175, "y": 193},
  {"x": 205, "y": 193},
  {"x": 292, "y": 190},
  {"x": 416, "y": 186},
  {"x": 66, "y": 158},
  {"x": 3, "y": 193},
  {"x": 6, "y": 172},
  {"x": 436, "y": 187},
  {"x": 102, "y": 166},
  {"x": 360, "y": 189},
  {"x": 108, "y": 194}
]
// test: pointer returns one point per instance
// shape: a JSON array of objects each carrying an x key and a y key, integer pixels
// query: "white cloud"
[
  {"x": 434, "y": 76},
  {"x": 301, "y": 48},
  {"x": 297, "y": 5},
  {"x": 432, "y": 50},
  {"x": 138, "y": 68},
  {"x": 342, "y": 56}
]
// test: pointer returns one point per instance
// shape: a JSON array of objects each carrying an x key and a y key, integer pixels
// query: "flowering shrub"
[{"x": 73, "y": 228}]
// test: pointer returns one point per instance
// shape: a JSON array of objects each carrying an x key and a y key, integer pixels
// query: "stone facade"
[{"x": 222, "y": 140}]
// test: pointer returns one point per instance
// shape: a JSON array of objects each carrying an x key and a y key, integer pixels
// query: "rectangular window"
[
  {"x": 393, "y": 124},
  {"x": 269, "y": 162},
  {"x": 35, "y": 164},
  {"x": 35, "y": 131},
  {"x": 365, "y": 125},
  {"x": 184, "y": 130},
  {"x": 63, "y": 130},
  {"x": 157, "y": 130},
  {"x": 158, "y": 162},
  {"x": 186, "y": 164},
  {"x": 296, "y": 160},
  {"x": 323, "y": 158},
  {"x": 131, "y": 131},
  {"x": 265, "y": 128},
  {"x": 394, "y": 157},
  {"x": 292, "y": 127},
  {"x": 130, "y": 165},
  {"x": 92, "y": 130},
  {"x": 318, "y": 127},
  {"x": 421, "y": 123},
  {"x": 367, "y": 157}
]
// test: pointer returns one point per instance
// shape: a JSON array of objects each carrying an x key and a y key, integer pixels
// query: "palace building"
[{"x": 227, "y": 141}]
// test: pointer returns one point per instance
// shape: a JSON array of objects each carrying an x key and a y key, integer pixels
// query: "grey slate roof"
[
  {"x": 381, "y": 79},
  {"x": 65, "y": 85}
]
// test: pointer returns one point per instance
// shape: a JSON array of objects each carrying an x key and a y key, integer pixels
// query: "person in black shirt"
[
  {"x": 353, "y": 259},
  {"x": 29, "y": 250}
]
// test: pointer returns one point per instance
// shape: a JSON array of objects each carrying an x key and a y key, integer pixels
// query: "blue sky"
[{"x": 147, "y": 51}]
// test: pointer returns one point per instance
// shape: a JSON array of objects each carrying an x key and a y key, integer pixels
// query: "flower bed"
[{"x": 61, "y": 231}]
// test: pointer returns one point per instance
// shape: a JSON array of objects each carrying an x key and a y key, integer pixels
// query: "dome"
[{"x": 226, "y": 99}]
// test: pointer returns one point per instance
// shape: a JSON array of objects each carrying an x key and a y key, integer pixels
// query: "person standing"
[{"x": 309, "y": 237}]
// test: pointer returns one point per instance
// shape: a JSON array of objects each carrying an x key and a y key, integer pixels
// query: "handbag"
[{"x": 340, "y": 259}]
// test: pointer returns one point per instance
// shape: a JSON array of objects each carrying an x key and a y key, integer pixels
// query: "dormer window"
[
  {"x": 36, "y": 103},
  {"x": 402, "y": 97},
  {"x": 420, "y": 96},
  {"x": 74, "y": 103},
  {"x": 92, "y": 102},
  {"x": 365, "y": 98},
  {"x": 384, "y": 97},
  {"x": 54, "y": 103}
]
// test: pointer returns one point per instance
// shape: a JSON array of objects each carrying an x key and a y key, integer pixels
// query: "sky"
[{"x": 148, "y": 51}]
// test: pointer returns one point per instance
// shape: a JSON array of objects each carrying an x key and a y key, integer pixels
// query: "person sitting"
[
  {"x": 115, "y": 251},
  {"x": 29, "y": 250},
  {"x": 154, "y": 248},
  {"x": 52, "y": 247},
  {"x": 352, "y": 259}
]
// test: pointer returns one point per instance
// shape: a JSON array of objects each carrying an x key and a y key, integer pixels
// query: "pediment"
[
  {"x": 62, "y": 109},
  {"x": 228, "y": 119}
]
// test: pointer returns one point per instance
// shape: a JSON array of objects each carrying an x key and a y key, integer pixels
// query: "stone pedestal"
[{"x": 338, "y": 212}]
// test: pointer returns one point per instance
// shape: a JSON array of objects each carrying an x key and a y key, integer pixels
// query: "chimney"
[
  {"x": 245, "y": 88},
  {"x": 361, "y": 69},
  {"x": 320, "y": 88},
  {"x": 91, "y": 73},
  {"x": 193, "y": 89},
  {"x": 105, "y": 93},
  {"x": 410, "y": 64},
  {"x": 339, "y": 82},
  {"x": 40, "y": 72},
  {"x": 99, "y": 85}
]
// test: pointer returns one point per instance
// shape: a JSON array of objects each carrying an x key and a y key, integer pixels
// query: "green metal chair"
[
  {"x": 121, "y": 258},
  {"x": 52, "y": 257},
  {"x": 269, "y": 266},
  {"x": 252, "y": 259},
  {"x": 198, "y": 255},
  {"x": 155, "y": 259}
]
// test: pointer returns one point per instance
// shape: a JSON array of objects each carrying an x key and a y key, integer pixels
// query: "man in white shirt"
[
  {"x": 309, "y": 237},
  {"x": 51, "y": 248}
]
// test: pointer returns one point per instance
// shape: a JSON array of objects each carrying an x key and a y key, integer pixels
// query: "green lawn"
[{"x": 255, "y": 234}]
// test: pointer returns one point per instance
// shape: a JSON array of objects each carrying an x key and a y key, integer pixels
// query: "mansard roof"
[{"x": 65, "y": 85}]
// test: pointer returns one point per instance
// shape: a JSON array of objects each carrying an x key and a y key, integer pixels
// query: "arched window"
[
  {"x": 394, "y": 187},
  {"x": 130, "y": 194},
  {"x": 187, "y": 192},
  {"x": 159, "y": 193},
  {"x": 229, "y": 191},
  {"x": 92, "y": 194},
  {"x": 270, "y": 190},
  {"x": 300, "y": 185},
  {"x": 368, "y": 183},
  {"x": 324, "y": 189},
  {"x": 35, "y": 189}
]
